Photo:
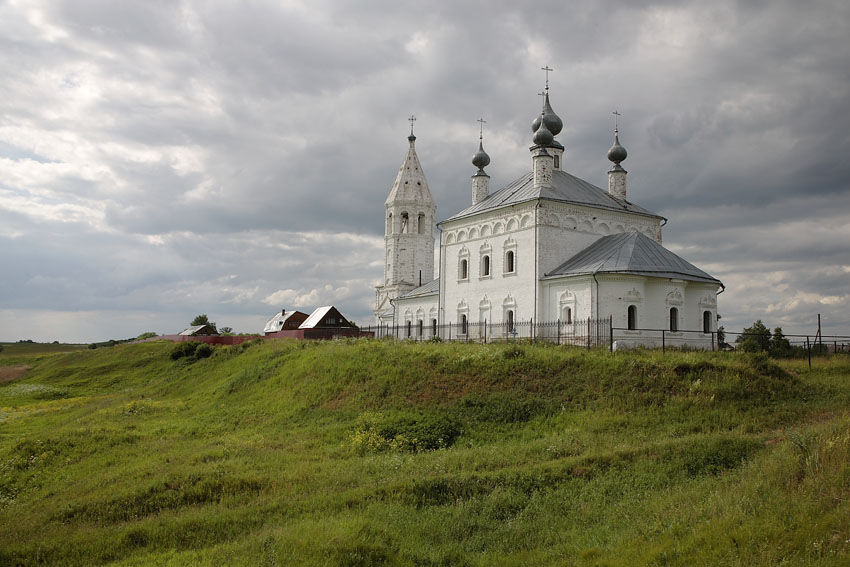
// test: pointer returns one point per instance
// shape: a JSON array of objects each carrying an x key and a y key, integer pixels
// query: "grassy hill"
[{"x": 373, "y": 453}]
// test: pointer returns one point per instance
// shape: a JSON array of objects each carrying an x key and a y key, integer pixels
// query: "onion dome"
[
  {"x": 542, "y": 135},
  {"x": 552, "y": 120},
  {"x": 617, "y": 153},
  {"x": 481, "y": 159}
]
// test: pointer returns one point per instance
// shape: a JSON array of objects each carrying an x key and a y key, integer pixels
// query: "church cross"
[
  {"x": 481, "y": 134},
  {"x": 412, "y": 119},
  {"x": 547, "y": 69},
  {"x": 616, "y": 123}
]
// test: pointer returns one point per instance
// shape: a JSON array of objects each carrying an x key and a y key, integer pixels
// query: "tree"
[
  {"x": 779, "y": 345},
  {"x": 755, "y": 338},
  {"x": 200, "y": 320},
  {"x": 226, "y": 330},
  {"x": 721, "y": 334}
]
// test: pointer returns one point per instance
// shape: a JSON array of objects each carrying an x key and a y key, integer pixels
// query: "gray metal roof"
[
  {"x": 429, "y": 288},
  {"x": 631, "y": 253},
  {"x": 565, "y": 187}
]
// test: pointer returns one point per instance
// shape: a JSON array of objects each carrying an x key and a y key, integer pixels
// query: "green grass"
[{"x": 357, "y": 453}]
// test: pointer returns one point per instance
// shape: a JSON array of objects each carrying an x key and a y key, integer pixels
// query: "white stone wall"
[
  {"x": 654, "y": 297},
  {"x": 414, "y": 310},
  {"x": 481, "y": 296},
  {"x": 566, "y": 229}
]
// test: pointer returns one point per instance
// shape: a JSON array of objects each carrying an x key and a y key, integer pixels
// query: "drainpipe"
[
  {"x": 536, "y": 254},
  {"x": 597, "y": 294}
]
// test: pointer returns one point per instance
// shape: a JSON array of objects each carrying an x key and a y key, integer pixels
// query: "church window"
[
  {"x": 408, "y": 329},
  {"x": 463, "y": 325},
  {"x": 404, "y": 220},
  {"x": 434, "y": 327},
  {"x": 390, "y": 224},
  {"x": 557, "y": 161},
  {"x": 485, "y": 266},
  {"x": 706, "y": 322},
  {"x": 464, "y": 269},
  {"x": 568, "y": 315},
  {"x": 509, "y": 262},
  {"x": 674, "y": 319},
  {"x": 510, "y": 320},
  {"x": 420, "y": 224},
  {"x": 632, "y": 316},
  {"x": 419, "y": 329}
]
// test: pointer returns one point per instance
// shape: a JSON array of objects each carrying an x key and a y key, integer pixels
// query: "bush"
[
  {"x": 204, "y": 350},
  {"x": 404, "y": 432},
  {"x": 192, "y": 350}
]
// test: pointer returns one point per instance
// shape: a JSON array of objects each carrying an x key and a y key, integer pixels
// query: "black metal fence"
[
  {"x": 588, "y": 333},
  {"x": 585, "y": 333}
]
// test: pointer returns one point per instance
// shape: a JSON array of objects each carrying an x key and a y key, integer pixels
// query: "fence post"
[
  {"x": 610, "y": 333},
  {"x": 485, "y": 331},
  {"x": 663, "y": 341},
  {"x": 712, "y": 342},
  {"x": 809, "y": 351}
]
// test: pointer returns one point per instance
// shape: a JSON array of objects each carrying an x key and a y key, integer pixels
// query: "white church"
[{"x": 548, "y": 255}]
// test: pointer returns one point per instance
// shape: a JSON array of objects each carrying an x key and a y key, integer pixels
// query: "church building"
[{"x": 548, "y": 249}]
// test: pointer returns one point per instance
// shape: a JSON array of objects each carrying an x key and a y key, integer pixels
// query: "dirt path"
[{"x": 9, "y": 373}]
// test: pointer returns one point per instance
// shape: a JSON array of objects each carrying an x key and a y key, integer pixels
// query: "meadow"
[{"x": 366, "y": 452}]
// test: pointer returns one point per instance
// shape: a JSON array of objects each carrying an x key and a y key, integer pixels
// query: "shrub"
[
  {"x": 204, "y": 350},
  {"x": 404, "y": 432},
  {"x": 191, "y": 349}
]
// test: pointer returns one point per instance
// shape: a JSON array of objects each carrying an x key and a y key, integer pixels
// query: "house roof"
[
  {"x": 430, "y": 288},
  {"x": 565, "y": 187},
  {"x": 316, "y": 317},
  {"x": 631, "y": 253},
  {"x": 276, "y": 323},
  {"x": 189, "y": 331}
]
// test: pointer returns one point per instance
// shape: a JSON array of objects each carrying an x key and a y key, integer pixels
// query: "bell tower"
[{"x": 408, "y": 233}]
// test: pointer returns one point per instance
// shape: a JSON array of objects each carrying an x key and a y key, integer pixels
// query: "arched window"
[
  {"x": 433, "y": 327},
  {"x": 674, "y": 319},
  {"x": 408, "y": 329},
  {"x": 509, "y": 262},
  {"x": 420, "y": 223},
  {"x": 485, "y": 265},
  {"x": 463, "y": 324},
  {"x": 404, "y": 222},
  {"x": 568, "y": 315},
  {"x": 510, "y": 320},
  {"x": 390, "y": 224},
  {"x": 706, "y": 322},
  {"x": 464, "y": 269},
  {"x": 557, "y": 162},
  {"x": 632, "y": 317},
  {"x": 419, "y": 329}
]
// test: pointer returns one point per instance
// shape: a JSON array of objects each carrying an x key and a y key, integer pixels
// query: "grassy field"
[{"x": 372, "y": 453}]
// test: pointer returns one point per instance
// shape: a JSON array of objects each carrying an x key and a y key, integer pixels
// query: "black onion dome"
[
  {"x": 543, "y": 137},
  {"x": 617, "y": 153},
  {"x": 552, "y": 120},
  {"x": 481, "y": 159}
]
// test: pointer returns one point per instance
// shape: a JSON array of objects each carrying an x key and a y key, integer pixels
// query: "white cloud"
[{"x": 151, "y": 151}]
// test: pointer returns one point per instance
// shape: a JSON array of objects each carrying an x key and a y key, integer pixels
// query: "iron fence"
[{"x": 585, "y": 333}]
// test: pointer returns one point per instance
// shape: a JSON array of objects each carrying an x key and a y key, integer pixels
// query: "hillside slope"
[{"x": 377, "y": 453}]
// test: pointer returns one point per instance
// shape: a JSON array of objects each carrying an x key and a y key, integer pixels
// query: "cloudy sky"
[{"x": 160, "y": 159}]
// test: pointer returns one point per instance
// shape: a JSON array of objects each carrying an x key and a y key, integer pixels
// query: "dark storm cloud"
[{"x": 161, "y": 156}]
